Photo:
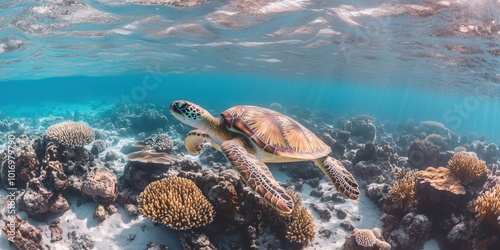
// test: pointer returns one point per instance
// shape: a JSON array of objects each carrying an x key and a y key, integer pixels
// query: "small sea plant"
[{"x": 176, "y": 203}]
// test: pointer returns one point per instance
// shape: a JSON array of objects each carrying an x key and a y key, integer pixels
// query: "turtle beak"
[{"x": 176, "y": 109}]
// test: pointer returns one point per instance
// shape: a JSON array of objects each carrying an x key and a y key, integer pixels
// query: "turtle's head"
[{"x": 188, "y": 113}]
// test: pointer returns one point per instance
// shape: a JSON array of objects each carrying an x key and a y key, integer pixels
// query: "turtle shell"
[{"x": 275, "y": 133}]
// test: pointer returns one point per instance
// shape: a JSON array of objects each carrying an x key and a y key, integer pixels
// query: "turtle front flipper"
[
  {"x": 257, "y": 175},
  {"x": 343, "y": 181},
  {"x": 194, "y": 141}
]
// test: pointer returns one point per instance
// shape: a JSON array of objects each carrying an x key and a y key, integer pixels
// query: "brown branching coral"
[
  {"x": 299, "y": 225},
  {"x": 403, "y": 188},
  {"x": 70, "y": 134},
  {"x": 177, "y": 203},
  {"x": 467, "y": 167},
  {"x": 487, "y": 207}
]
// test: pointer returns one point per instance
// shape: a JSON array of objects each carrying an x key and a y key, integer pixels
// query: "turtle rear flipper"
[
  {"x": 343, "y": 181},
  {"x": 257, "y": 175}
]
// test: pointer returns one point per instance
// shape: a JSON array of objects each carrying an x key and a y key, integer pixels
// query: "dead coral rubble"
[{"x": 25, "y": 236}]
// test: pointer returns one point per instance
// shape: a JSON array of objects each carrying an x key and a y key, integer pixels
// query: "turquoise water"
[{"x": 461, "y": 112}]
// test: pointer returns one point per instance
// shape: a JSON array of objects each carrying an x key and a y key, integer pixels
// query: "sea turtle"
[{"x": 248, "y": 136}]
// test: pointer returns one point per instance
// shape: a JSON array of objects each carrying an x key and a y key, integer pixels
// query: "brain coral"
[
  {"x": 487, "y": 207},
  {"x": 467, "y": 167},
  {"x": 177, "y": 203},
  {"x": 70, "y": 134}
]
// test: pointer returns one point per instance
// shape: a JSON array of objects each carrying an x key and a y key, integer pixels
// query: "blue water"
[{"x": 460, "y": 112}]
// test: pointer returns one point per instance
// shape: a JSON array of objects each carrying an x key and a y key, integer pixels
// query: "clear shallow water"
[
  {"x": 448, "y": 45},
  {"x": 460, "y": 112}
]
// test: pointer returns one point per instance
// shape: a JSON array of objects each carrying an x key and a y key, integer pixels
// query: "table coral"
[
  {"x": 441, "y": 179},
  {"x": 177, "y": 203}
]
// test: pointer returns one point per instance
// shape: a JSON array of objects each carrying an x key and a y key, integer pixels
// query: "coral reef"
[
  {"x": 297, "y": 227},
  {"x": 98, "y": 146},
  {"x": 487, "y": 207},
  {"x": 401, "y": 194},
  {"x": 423, "y": 154},
  {"x": 101, "y": 185},
  {"x": 25, "y": 236},
  {"x": 157, "y": 142},
  {"x": 411, "y": 233},
  {"x": 366, "y": 239},
  {"x": 438, "y": 192},
  {"x": 177, "y": 203},
  {"x": 361, "y": 126},
  {"x": 37, "y": 199},
  {"x": 19, "y": 160},
  {"x": 300, "y": 228},
  {"x": 467, "y": 167},
  {"x": 145, "y": 167},
  {"x": 70, "y": 134}
]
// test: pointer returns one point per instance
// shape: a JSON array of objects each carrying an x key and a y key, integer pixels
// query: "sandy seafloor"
[{"x": 124, "y": 231}]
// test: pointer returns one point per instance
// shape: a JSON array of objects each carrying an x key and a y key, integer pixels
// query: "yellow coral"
[
  {"x": 177, "y": 203},
  {"x": 403, "y": 188},
  {"x": 70, "y": 134},
  {"x": 466, "y": 167},
  {"x": 487, "y": 207}
]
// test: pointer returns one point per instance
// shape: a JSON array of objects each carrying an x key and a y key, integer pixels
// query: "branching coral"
[
  {"x": 403, "y": 188},
  {"x": 298, "y": 225},
  {"x": 177, "y": 203},
  {"x": 70, "y": 134},
  {"x": 301, "y": 226},
  {"x": 487, "y": 207},
  {"x": 466, "y": 167}
]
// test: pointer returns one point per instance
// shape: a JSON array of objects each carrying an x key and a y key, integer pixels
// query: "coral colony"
[{"x": 428, "y": 182}]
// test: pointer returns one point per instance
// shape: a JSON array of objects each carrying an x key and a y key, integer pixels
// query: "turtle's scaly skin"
[{"x": 249, "y": 136}]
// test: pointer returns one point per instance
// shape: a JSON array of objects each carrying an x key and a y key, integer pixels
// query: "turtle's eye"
[{"x": 181, "y": 105}]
